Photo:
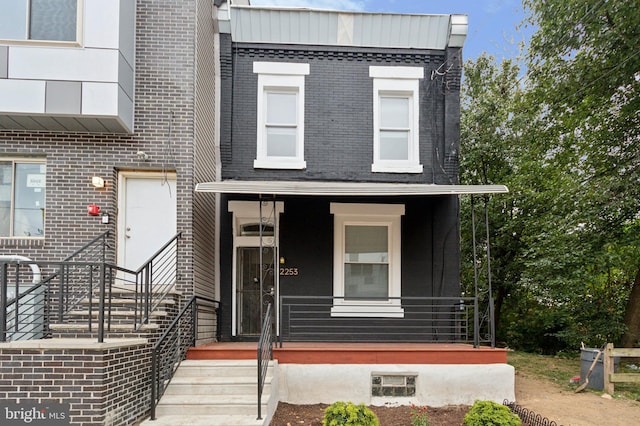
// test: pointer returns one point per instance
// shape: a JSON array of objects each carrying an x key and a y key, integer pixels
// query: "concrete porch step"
[
  {"x": 215, "y": 392},
  {"x": 210, "y": 420},
  {"x": 215, "y": 386},
  {"x": 210, "y": 404}
]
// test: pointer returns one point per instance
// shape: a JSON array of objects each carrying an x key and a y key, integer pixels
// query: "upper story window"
[
  {"x": 43, "y": 20},
  {"x": 396, "y": 119},
  {"x": 22, "y": 198},
  {"x": 280, "y": 111}
]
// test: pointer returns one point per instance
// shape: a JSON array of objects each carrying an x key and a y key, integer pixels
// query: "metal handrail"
[
  {"x": 84, "y": 275},
  {"x": 171, "y": 348},
  {"x": 265, "y": 354}
]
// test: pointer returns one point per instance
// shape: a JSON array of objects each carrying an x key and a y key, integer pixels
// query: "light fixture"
[{"x": 97, "y": 181}]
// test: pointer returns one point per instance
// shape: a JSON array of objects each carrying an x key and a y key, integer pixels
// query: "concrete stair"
[{"x": 216, "y": 393}]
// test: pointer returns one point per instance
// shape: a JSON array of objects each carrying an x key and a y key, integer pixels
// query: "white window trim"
[
  {"x": 397, "y": 81},
  {"x": 286, "y": 77},
  {"x": 367, "y": 214},
  {"x": 23, "y": 160}
]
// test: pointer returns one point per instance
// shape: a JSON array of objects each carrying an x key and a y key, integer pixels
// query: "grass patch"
[{"x": 560, "y": 369}]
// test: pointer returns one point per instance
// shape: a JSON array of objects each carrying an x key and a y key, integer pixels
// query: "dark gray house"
[{"x": 339, "y": 143}]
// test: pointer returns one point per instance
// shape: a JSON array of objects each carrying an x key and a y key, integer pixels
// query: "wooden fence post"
[{"x": 608, "y": 367}]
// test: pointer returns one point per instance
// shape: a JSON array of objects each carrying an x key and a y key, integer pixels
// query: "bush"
[
  {"x": 347, "y": 413},
  {"x": 489, "y": 413}
]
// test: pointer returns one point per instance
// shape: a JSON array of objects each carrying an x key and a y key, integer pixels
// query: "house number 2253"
[{"x": 289, "y": 271}]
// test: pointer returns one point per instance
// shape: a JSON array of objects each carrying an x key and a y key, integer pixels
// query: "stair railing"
[
  {"x": 85, "y": 276},
  {"x": 171, "y": 348},
  {"x": 156, "y": 278},
  {"x": 265, "y": 354}
]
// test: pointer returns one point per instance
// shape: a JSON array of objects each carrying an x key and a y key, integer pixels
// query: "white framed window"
[
  {"x": 40, "y": 20},
  {"x": 280, "y": 111},
  {"x": 22, "y": 198},
  {"x": 367, "y": 260},
  {"x": 396, "y": 119}
]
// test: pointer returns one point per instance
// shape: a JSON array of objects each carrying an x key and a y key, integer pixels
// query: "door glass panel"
[{"x": 248, "y": 287}]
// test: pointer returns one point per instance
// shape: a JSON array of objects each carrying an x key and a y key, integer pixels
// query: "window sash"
[
  {"x": 22, "y": 199},
  {"x": 396, "y": 144},
  {"x": 39, "y": 20},
  {"x": 280, "y": 112}
]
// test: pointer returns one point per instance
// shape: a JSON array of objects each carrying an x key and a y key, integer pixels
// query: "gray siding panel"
[{"x": 204, "y": 207}]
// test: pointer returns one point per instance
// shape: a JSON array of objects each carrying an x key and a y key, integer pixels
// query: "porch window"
[
  {"x": 280, "y": 131},
  {"x": 43, "y": 20},
  {"x": 396, "y": 119},
  {"x": 22, "y": 198},
  {"x": 367, "y": 260}
]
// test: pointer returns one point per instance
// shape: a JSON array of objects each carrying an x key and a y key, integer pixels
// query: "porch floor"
[{"x": 356, "y": 353}]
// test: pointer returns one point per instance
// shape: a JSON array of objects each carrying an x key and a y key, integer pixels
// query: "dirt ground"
[{"x": 563, "y": 406}]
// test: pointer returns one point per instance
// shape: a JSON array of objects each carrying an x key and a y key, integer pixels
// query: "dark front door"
[{"x": 250, "y": 294}]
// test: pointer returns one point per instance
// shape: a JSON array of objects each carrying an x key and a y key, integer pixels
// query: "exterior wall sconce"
[
  {"x": 97, "y": 182},
  {"x": 282, "y": 260}
]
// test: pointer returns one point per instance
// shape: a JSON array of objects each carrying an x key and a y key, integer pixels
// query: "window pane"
[
  {"x": 281, "y": 142},
  {"x": 366, "y": 244},
  {"x": 5, "y": 198},
  {"x": 53, "y": 20},
  {"x": 29, "y": 200},
  {"x": 394, "y": 112},
  {"x": 281, "y": 108},
  {"x": 394, "y": 145},
  {"x": 362, "y": 280},
  {"x": 13, "y": 19}
]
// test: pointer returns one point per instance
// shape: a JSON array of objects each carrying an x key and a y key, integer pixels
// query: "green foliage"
[
  {"x": 347, "y": 413},
  {"x": 489, "y": 413},
  {"x": 419, "y": 416},
  {"x": 565, "y": 140}
]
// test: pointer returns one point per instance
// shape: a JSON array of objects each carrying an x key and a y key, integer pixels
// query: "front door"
[
  {"x": 255, "y": 288},
  {"x": 147, "y": 216}
]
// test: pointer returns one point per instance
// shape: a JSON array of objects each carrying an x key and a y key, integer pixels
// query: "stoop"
[{"x": 216, "y": 393}]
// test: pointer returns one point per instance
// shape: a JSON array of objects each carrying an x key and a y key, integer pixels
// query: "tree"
[{"x": 583, "y": 64}]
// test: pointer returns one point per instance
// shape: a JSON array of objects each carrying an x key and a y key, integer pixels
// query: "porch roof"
[{"x": 324, "y": 188}]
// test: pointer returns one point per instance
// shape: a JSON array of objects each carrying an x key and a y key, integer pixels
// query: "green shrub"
[
  {"x": 347, "y": 413},
  {"x": 489, "y": 413}
]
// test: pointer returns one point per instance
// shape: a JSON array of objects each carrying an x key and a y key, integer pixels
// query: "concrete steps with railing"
[
  {"x": 123, "y": 317},
  {"x": 216, "y": 392}
]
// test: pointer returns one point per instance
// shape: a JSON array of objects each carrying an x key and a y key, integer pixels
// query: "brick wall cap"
[{"x": 90, "y": 344}]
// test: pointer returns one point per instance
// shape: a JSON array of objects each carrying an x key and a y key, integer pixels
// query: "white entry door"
[{"x": 146, "y": 216}]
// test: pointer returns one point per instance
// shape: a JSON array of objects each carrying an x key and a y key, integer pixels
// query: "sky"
[{"x": 493, "y": 24}]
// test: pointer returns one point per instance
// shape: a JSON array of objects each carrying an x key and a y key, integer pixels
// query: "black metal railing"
[
  {"x": 84, "y": 282},
  {"x": 265, "y": 354},
  {"x": 400, "y": 319},
  {"x": 171, "y": 348},
  {"x": 528, "y": 417}
]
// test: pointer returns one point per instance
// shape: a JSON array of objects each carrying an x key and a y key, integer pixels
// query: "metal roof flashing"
[{"x": 278, "y": 25}]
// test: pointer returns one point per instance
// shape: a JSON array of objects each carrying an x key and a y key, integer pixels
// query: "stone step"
[
  {"x": 119, "y": 328},
  {"x": 210, "y": 404},
  {"x": 208, "y": 420},
  {"x": 114, "y": 313},
  {"x": 219, "y": 368},
  {"x": 212, "y": 385}
]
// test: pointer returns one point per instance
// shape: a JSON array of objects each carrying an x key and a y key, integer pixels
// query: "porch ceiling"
[{"x": 323, "y": 188}]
